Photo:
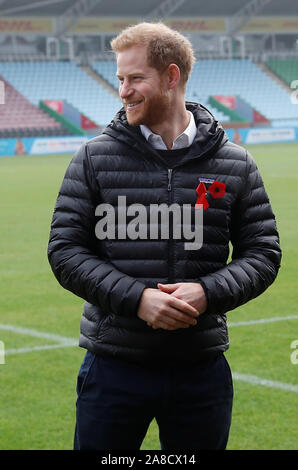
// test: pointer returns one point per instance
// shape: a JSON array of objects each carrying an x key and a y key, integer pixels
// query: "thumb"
[{"x": 167, "y": 287}]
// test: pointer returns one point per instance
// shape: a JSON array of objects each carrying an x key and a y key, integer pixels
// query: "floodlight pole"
[
  {"x": 244, "y": 14},
  {"x": 236, "y": 22},
  {"x": 78, "y": 10}
]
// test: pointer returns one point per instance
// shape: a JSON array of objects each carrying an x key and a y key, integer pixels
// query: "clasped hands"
[{"x": 172, "y": 306}]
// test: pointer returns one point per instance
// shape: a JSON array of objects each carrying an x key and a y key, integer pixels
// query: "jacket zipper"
[
  {"x": 170, "y": 242},
  {"x": 170, "y": 171}
]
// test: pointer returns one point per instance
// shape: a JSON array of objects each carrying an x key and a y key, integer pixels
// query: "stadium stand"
[
  {"x": 39, "y": 81},
  {"x": 20, "y": 118},
  {"x": 66, "y": 80},
  {"x": 223, "y": 68},
  {"x": 107, "y": 70},
  {"x": 246, "y": 79},
  {"x": 62, "y": 81},
  {"x": 228, "y": 77}
]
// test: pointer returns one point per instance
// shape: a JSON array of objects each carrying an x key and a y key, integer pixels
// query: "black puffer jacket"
[{"x": 112, "y": 274}]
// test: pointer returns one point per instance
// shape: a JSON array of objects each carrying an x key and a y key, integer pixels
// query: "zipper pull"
[{"x": 169, "y": 179}]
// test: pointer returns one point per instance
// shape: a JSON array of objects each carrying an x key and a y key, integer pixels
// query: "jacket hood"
[{"x": 210, "y": 134}]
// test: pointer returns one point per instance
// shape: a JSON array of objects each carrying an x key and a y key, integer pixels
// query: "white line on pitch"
[
  {"x": 262, "y": 320},
  {"x": 67, "y": 342},
  {"x": 252, "y": 379},
  {"x": 63, "y": 339},
  {"x": 37, "y": 334},
  {"x": 40, "y": 348}
]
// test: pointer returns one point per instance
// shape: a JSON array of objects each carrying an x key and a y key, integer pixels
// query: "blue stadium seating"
[
  {"x": 243, "y": 78},
  {"x": 66, "y": 80},
  {"x": 107, "y": 69},
  {"x": 229, "y": 77},
  {"x": 62, "y": 80}
]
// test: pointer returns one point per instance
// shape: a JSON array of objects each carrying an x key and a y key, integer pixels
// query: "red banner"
[
  {"x": 228, "y": 101},
  {"x": 55, "y": 105},
  {"x": 86, "y": 123},
  {"x": 258, "y": 117}
]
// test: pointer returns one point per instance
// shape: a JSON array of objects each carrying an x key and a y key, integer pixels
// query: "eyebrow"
[{"x": 119, "y": 75}]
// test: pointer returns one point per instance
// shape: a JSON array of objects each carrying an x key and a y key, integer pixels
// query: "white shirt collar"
[{"x": 185, "y": 139}]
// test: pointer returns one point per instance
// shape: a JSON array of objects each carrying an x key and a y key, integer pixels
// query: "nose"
[{"x": 125, "y": 89}]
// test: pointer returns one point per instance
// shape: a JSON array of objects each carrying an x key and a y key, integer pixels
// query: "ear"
[{"x": 173, "y": 76}]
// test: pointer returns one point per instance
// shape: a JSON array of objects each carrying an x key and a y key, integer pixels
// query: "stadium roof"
[{"x": 142, "y": 9}]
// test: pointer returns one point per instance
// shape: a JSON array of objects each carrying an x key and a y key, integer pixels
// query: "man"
[{"x": 154, "y": 321}]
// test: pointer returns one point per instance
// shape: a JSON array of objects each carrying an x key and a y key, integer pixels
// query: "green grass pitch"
[{"x": 37, "y": 392}]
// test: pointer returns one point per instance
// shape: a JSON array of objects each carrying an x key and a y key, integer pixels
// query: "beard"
[{"x": 153, "y": 111}]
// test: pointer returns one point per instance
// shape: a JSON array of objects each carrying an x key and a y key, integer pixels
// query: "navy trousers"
[{"x": 117, "y": 400}]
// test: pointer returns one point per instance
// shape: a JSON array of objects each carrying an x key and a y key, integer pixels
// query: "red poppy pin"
[{"x": 216, "y": 190}]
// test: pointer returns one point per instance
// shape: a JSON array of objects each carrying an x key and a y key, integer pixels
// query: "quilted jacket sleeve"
[
  {"x": 256, "y": 250},
  {"x": 70, "y": 251}
]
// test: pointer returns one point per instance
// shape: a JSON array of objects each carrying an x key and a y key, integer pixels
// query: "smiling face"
[{"x": 142, "y": 88}]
